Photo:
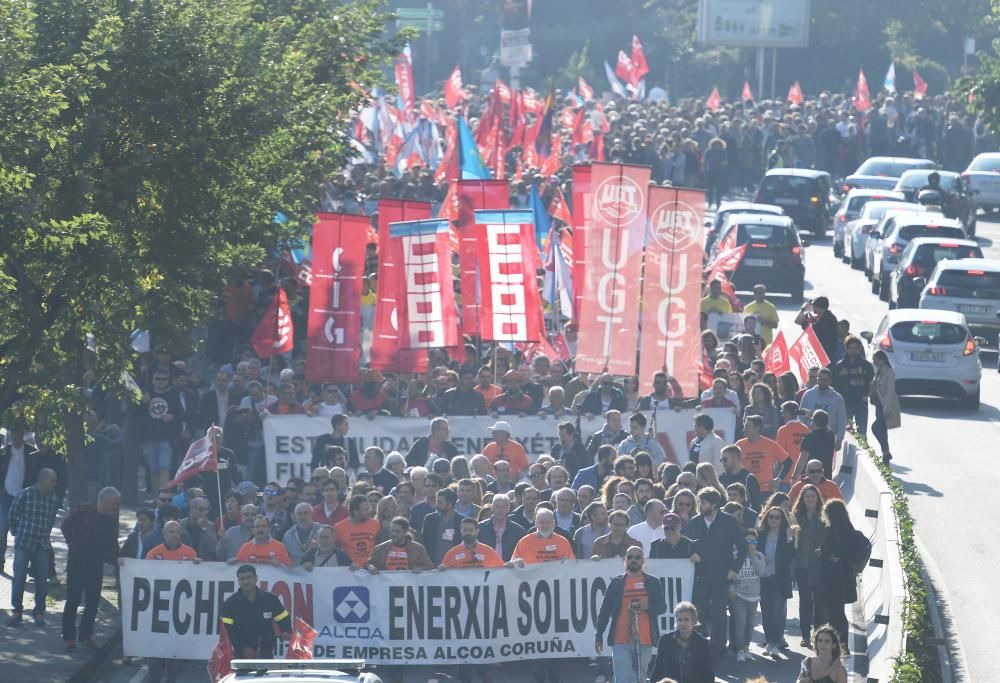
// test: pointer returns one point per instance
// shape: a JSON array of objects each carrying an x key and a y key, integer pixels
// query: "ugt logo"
[
  {"x": 350, "y": 604},
  {"x": 618, "y": 200}
]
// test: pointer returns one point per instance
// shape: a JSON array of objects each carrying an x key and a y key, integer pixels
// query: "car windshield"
[
  {"x": 876, "y": 211},
  {"x": 856, "y": 205},
  {"x": 908, "y": 232},
  {"x": 928, "y": 332},
  {"x": 890, "y": 169},
  {"x": 788, "y": 185},
  {"x": 930, "y": 254},
  {"x": 773, "y": 235},
  {"x": 977, "y": 280},
  {"x": 985, "y": 164},
  {"x": 916, "y": 179}
]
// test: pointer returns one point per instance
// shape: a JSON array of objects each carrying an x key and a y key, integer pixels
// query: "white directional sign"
[{"x": 754, "y": 23}]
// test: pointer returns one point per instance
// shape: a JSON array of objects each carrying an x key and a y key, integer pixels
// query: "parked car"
[
  {"x": 775, "y": 254},
  {"x": 897, "y": 233},
  {"x": 850, "y": 208},
  {"x": 803, "y": 193},
  {"x": 727, "y": 209},
  {"x": 882, "y": 172},
  {"x": 959, "y": 201},
  {"x": 983, "y": 176},
  {"x": 917, "y": 262},
  {"x": 932, "y": 352},
  {"x": 970, "y": 287},
  {"x": 857, "y": 231}
]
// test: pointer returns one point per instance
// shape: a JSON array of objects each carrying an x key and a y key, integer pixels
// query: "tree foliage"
[{"x": 145, "y": 147}]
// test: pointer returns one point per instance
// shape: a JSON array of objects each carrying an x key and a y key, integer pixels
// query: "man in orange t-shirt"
[
  {"x": 543, "y": 545},
  {"x": 470, "y": 553},
  {"x": 791, "y": 433},
  {"x": 262, "y": 549},
  {"x": 764, "y": 458},
  {"x": 504, "y": 448},
  {"x": 172, "y": 548},
  {"x": 356, "y": 535}
]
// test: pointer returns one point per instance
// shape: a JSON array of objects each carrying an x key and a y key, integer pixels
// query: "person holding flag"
[{"x": 250, "y": 615}]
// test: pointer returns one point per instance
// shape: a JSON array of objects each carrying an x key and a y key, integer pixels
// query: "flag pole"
[{"x": 218, "y": 477}]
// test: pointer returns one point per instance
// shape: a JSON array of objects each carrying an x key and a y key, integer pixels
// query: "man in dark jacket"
[
  {"x": 718, "y": 553},
  {"x": 441, "y": 529},
  {"x": 499, "y": 531},
  {"x": 611, "y": 433},
  {"x": 337, "y": 436},
  {"x": 852, "y": 378},
  {"x": 464, "y": 399},
  {"x": 733, "y": 472},
  {"x": 631, "y": 611},
  {"x": 823, "y": 322},
  {"x": 684, "y": 654},
  {"x": 603, "y": 396},
  {"x": 569, "y": 452},
  {"x": 16, "y": 462},
  {"x": 429, "y": 448}
]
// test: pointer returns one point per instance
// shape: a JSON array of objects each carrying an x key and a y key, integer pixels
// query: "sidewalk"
[{"x": 30, "y": 652}]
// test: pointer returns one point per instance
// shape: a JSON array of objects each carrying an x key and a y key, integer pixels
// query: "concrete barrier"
[{"x": 881, "y": 588}]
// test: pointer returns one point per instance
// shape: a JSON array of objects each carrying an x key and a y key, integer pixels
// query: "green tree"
[{"x": 145, "y": 147}]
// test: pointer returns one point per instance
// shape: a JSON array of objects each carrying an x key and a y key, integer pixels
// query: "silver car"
[
  {"x": 856, "y": 232},
  {"x": 897, "y": 231},
  {"x": 850, "y": 208},
  {"x": 983, "y": 175},
  {"x": 874, "y": 242},
  {"x": 971, "y": 287}
]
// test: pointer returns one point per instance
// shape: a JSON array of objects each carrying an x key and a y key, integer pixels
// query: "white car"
[
  {"x": 850, "y": 208},
  {"x": 896, "y": 232},
  {"x": 874, "y": 241},
  {"x": 983, "y": 175},
  {"x": 932, "y": 352},
  {"x": 300, "y": 671},
  {"x": 857, "y": 231},
  {"x": 968, "y": 286}
]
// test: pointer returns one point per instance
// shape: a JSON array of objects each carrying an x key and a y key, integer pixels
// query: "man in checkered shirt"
[{"x": 31, "y": 518}]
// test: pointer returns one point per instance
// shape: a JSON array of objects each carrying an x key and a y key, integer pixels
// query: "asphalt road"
[{"x": 940, "y": 455}]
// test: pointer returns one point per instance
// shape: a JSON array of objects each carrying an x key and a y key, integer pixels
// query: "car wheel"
[
  {"x": 819, "y": 231},
  {"x": 972, "y": 402},
  {"x": 838, "y": 251},
  {"x": 892, "y": 304},
  {"x": 857, "y": 264},
  {"x": 874, "y": 286},
  {"x": 883, "y": 292}
]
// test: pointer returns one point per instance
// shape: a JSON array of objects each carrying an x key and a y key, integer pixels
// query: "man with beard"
[{"x": 400, "y": 552}]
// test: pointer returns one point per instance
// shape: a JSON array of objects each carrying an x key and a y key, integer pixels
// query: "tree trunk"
[{"x": 76, "y": 465}]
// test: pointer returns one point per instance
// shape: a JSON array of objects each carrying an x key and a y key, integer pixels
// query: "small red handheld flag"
[
  {"x": 301, "y": 644},
  {"x": 862, "y": 98},
  {"x": 919, "y": 86},
  {"x": 714, "y": 100},
  {"x": 585, "y": 91},
  {"x": 454, "y": 93},
  {"x": 747, "y": 93},
  {"x": 273, "y": 335},
  {"x": 202, "y": 456},
  {"x": 638, "y": 60},
  {"x": 776, "y": 355},
  {"x": 219, "y": 664},
  {"x": 795, "y": 94}
]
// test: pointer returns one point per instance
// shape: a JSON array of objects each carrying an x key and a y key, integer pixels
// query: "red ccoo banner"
[
  {"x": 473, "y": 195},
  {"x": 671, "y": 291},
  {"x": 333, "y": 353},
  {"x": 806, "y": 353},
  {"x": 511, "y": 306},
  {"x": 427, "y": 317},
  {"x": 609, "y": 310},
  {"x": 385, "y": 352}
]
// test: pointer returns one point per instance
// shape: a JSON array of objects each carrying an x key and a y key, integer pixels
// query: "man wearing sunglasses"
[
  {"x": 814, "y": 475},
  {"x": 631, "y": 611}
]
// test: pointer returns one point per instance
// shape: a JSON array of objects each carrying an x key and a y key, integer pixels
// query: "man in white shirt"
[
  {"x": 13, "y": 471},
  {"x": 652, "y": 529},
  {"x": 706, "y": 446}
]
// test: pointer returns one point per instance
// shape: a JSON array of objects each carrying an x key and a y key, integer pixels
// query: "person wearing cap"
[
  {"x": 248, "y": 491},
  {"x": 673, "y": 545},
  {"x": 631, "y": 612},
  {"x": 504, "y": 448}
]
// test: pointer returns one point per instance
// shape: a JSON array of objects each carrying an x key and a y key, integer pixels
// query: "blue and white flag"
[{"x": 890, "y": 78}]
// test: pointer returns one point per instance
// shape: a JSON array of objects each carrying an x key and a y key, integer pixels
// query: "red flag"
[
  {"x": 586, "y": 92},
  {"x": 671, "y": 290},
  {"x": 806, "y": 353},
  {"x": 714, "y": 100},
  {"x": 472, "y": 195},
  {"x": 404, "y": 80},
  {"x": 638, "y": 60},
  {"x": 558, "y": 208},
  {"x": 219, "y": 664},
  {"x": 532, "y": 103},
  {"x": 301, "y": 644},
  {"x": 202, "y": 456},
  {"x": 385, "y": 351},
  {"x": 554, "y": 160},
  {"x": 450, "y": 167},
  {"x": 862, "y": 98},
  {"x": 561, "y": 347},
  {"x": 567, "y": 119},
  {"x": 511, "y": 306},
  {"x": 428, "y": 318},
  {"x": 625, "y": 69},
  {"x": 454, "y": 93},
  {"x": 776, "y": 355},
  {"x": 609, "y": 314},
  {"x": 333, "y": 353},
  {"x": 747, "y": 93},
  {"x": 503, "y": 91},
  {"x": 919, "y": 86},
  {"x": 727, "y": 261},
  {"x": 273, "y": 335},
  {"x": 795, "y": 94}
]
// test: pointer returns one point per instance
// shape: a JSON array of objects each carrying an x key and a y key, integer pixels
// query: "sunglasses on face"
[
  {"x": 271, "y": 492},
  {"x": 814, "y": 471}
]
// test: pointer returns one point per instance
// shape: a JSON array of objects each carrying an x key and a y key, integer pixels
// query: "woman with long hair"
[
  {"x": 837, "y": 553},
  {"x": 762, "y": 404},
  {"x": 631, "y": 388},
  {"x": 810, "y": 531},
  {"x": 644, "y": 466},
  {"x": 826, "y": 666},
  {"x": 667, "y": 473},
  {"x": 609, "y": 489},
  {"x": 771, "y": 380},
  {"x": 710, "y": 345},
  {"x": 707, "y": 476},
  {"x": 886, "y": 402},
  {"x": 776, "y": 541},
  {"x": 385, "y": 512},
  {"x": 788, "y": 387},
  {"x": 685, "y": 505}
]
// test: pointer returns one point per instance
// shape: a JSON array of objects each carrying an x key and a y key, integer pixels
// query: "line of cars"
[{"x": 922, "y": 259}]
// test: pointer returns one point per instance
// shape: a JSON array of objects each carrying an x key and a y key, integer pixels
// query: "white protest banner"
[
  {"x": 288, "y": 438},
  {"x": 172, "y": 609}
]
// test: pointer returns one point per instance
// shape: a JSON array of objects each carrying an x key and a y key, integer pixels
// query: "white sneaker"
[{"x": 741, "y": 656}]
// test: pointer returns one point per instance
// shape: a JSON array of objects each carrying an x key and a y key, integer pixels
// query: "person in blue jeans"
[
  {"x": 31, "y": 518},
  {"x": 776, "y": 541}
]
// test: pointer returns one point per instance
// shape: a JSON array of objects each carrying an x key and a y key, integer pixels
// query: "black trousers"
[
  {"x": 711, "y": 597},
  {"x": 812, "y": 608},
  {"x": 83, "y": 583}
]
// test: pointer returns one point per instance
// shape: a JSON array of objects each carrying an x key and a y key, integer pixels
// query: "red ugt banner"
[
  {"x": 385, "y": 352},
  {"x": 671, "y": 291},
  {"x": 511, "y": 306},
  {"x": 334, "y": 350},
  {"x": 473, "y": 195},
  {"x": 427, "y": 317},
  {"x": 806, "y": 353},
  {"x": 609, "y": 311}
]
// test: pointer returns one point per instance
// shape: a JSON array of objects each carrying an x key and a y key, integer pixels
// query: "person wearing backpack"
[{"x": 842, "y": 558}]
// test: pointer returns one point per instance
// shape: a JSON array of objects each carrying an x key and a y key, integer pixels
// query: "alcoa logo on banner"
[
  {"x": 674, "y": 225},
  {"x": 618, "y": 200},
  {"x": 350, "y": 604}
]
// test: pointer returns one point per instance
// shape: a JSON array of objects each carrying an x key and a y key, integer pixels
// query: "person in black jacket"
[
  {"x": 776, "y": 542},
  {"x": 441, "y": 530},
  {"x": 569, "y": 452},
  {"x": 683, "y": 654},
  {"x": 602, "y": 397},
  {"x": 464, "y": 399},
  {"x": 734, "y": 472},
  {"x": 428, "y": 448},
  {"x": 718, "y": 554},
  {"x": 510, "y": 531},
  {"x": 610, "y": 434},
  {"x": 631, "y": 612},
  {"x": 838, "y": 578},
  {"x": 337, "y": 437}
]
